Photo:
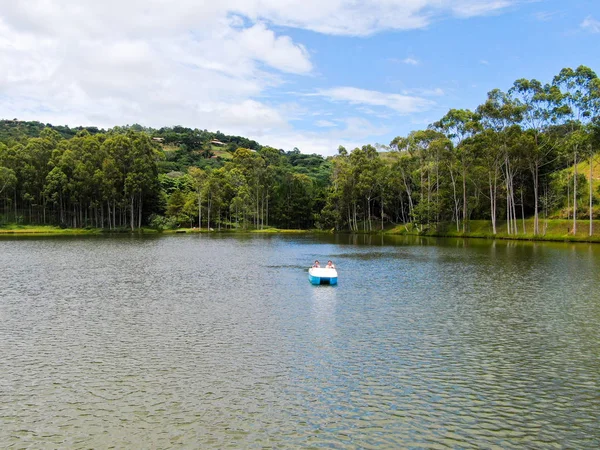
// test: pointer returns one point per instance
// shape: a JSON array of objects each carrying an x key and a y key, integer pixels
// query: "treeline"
[
  {"x": 519, "y": 154},
  {"x": 516, "y": 155},
  {"x": 112, "y": 180},
  {"x": 18, "y": 131},
  {"x": 102, "y": 180},
  {"x": 255, "y": 189},
  {"x": 185, "y": 146}
]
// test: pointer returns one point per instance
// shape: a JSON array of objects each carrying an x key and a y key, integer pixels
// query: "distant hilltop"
[{"x": 194, "y": 139}]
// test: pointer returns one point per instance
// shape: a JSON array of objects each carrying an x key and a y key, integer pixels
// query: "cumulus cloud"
[
  {"x": 353, "y": 132},
  {"x": 349, "y": 17},
  {"x": 192, "y": 62},
  {"x": 404, "y": 104}
]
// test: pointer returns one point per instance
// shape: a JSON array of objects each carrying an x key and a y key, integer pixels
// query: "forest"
[{"x": 529, "y": 151}]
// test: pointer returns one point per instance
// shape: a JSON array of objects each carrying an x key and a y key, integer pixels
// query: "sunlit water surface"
[{"x": 220, "y": 341}]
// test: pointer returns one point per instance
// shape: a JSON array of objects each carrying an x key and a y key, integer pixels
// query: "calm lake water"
[{"x": 221, "y": 342}]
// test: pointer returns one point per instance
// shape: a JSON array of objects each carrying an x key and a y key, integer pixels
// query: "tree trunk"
[
  {"x": 536, "y": 175},
  {"x": 523, "y": 212},
  {"x": 568, "y": 198},
  {"x": 464, "y": 200},
  {"x": 591, "y": 232},
  {"x": 381, "y": 210},
  {"x": 209, "y": 204},
  {"x": 409, "y": 194},
  {"x": 456, "y": 204},
  {"x": 493, "y": 188},
  {"x": 508, "y": 208},
  {"x": 575, "y": 195},
  {"x": 140, "y": 211},
  {"x": 200, "y": 210},
  {"x": 132, "y": 213}
]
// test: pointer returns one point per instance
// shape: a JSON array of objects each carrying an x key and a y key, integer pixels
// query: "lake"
[{"x": 220, "y": 341}]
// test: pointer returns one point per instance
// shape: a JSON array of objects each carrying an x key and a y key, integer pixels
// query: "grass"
[
  {"x": 269, "y": 230},
  {"x": 279, "y": 230},
  {"x": 550, "y": 230},
  {"x": 9, "y": 229},
  {"x": 41, "y": 229}
]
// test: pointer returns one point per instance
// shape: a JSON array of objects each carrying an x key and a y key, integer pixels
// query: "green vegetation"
[
  {"x": 44, "y": 229},
  {"x": 551, "y": 230},
  {"x": 524, "y": 164},
  {"x": 520, "y": 154},
  {"x": 122, "y": 178}
]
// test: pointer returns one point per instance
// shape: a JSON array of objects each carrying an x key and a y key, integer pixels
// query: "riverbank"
[
  {"x": 52, "y": 230},
  {"x": 554, "y": 230},
  {"x": 551, "y": 230}
]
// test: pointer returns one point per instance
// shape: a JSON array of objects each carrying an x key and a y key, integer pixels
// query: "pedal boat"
[{"x": 322, "y": 275}]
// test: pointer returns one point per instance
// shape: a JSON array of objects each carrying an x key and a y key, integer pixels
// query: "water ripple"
[{"x": 221, "y": 342}]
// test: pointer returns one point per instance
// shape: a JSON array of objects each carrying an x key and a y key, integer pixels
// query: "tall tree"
[
  {"x": 458, "y": 125},
  {"x": 538, "y": 104},
  {"x": 578, "y": 99}
]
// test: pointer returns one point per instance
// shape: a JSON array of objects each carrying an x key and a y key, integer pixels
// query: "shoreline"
[
  {"x": 479, "y": 230},
  {"x": 555, "y": 230}
]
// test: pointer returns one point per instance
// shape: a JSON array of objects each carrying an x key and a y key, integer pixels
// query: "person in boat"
[
  {"x": 316, "y": 264},
  {"x": 330, "y": 265}
]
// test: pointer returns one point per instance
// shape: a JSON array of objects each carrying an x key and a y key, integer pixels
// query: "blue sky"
[{"x": 288, "y": 73}]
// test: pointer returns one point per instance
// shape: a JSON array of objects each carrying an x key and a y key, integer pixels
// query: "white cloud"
[
  {"x": 404, "y": 104},
  {"x": 472, "y": 8},
  {"x": 356, "y": 132},
  {"x": 325, "y": 123},
  {"x": 484, "y": 62},
  {"x": 198, "y": 63},
  {"x": 278, "y": 52},
  {"x": 435, "y": 92},
  {"x": 546, "y": 16},
  {"x": 590, "y": 24},
  {"x": 349, "y": 17},
  {"x": 74, "y": 65},
  {"x": 411, "y": 61}
]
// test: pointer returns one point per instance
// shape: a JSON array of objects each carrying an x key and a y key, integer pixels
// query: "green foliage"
[{"x": 514, "y": 156}]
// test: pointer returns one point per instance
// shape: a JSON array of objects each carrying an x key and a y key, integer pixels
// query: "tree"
[
  {"x": 198, "y": 177},
  {"x": 579, "y": 98},
  {"x": 500, "y": 115},
  {"x": 537, "y": 103},
  {"x": 458, "y": 125}
]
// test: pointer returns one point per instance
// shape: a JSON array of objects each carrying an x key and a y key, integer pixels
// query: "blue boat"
[{"x": 322, "y": 275}]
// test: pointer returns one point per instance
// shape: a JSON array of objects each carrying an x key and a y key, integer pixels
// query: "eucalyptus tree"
[
  {"x": 538, "y": 104},
  {"x": 579, "y": 97},
  {"x": 273, "y": 162},
  {"x": 458, "y": 125},
  {"x": 384, "y": 185},
  {"x": 198, "y": 177},
  {"x": 37, "y": 155},
  {"x": 7, "y": 178},
  {"x": 593, "y": 134},
  {"x": 403, "y": 164},
  {"x": 340, "y": 196},
  {"x": 366, "y": 163},
  {"x": 240, "y": 195},
  {"x": 251, "y": 166},
  {"x": 500, "y": 114}
]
